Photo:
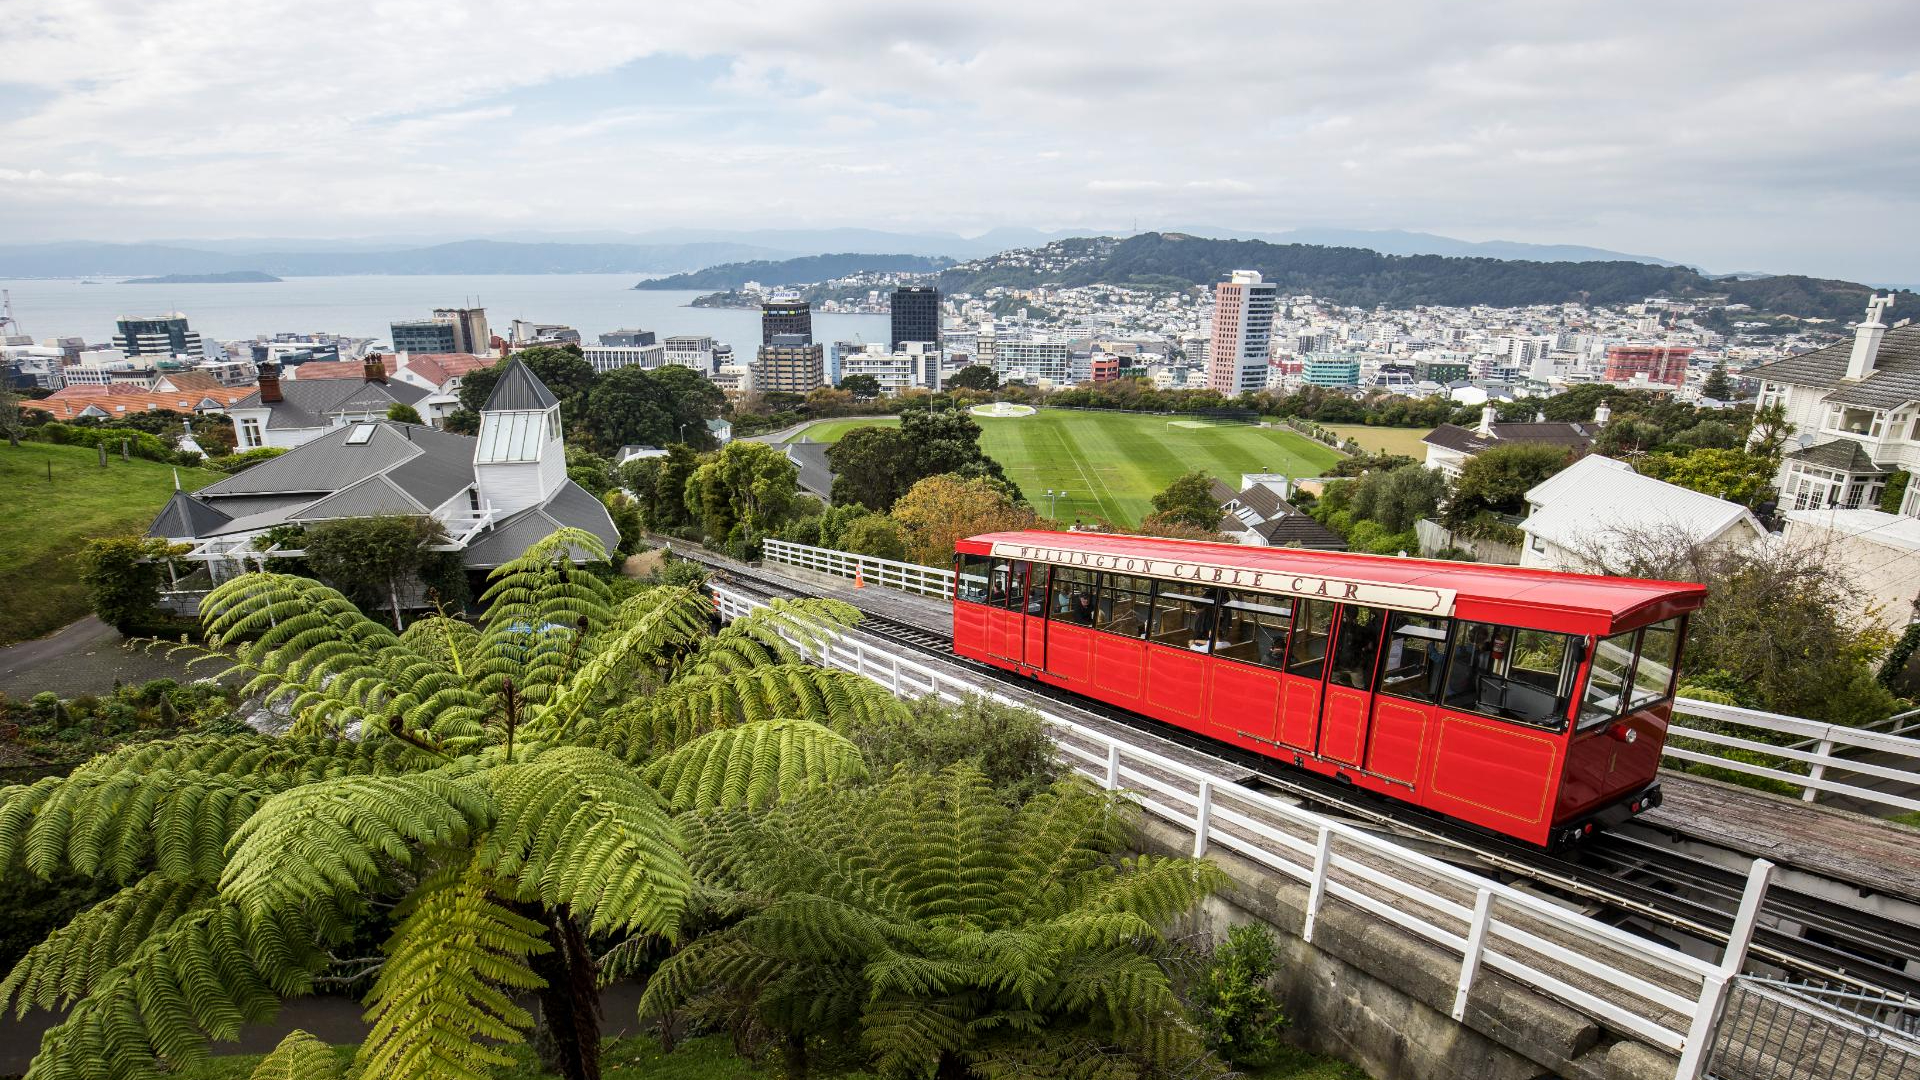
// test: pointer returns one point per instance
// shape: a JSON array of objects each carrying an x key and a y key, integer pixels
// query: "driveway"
[{"x": 86, "y": 657}]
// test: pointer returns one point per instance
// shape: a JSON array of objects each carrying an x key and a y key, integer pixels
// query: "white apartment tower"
[{"x": 1242, "y": 333}]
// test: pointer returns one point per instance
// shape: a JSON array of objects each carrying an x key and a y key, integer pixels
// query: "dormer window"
[{"x": 1848, "y": 420}]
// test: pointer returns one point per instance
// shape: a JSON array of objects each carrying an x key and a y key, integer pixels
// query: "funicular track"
[{"x": 1630, "y": 882}]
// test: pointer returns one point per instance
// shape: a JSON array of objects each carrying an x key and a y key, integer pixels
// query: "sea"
[{"x": 362, "y": 306}]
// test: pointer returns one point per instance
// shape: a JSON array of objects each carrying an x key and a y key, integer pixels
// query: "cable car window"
[
  {"x": 1008, "y": 588},
  {"x": 1252, "y": 628},
  {"x": 1356, "y": 647},
  {"x": 1653, "y": 670},
  {"x": 1073, "y": 595},
  {"x": 1183, "y": 616},
  {"x": 1607, "y": 680},
  {"x": 1308, "y": 653},
  {"x": 1123, "y": 604},
  {"x": 971, "y": 573},
  {"x": 1416, "y": 656},
  {"x": 1509, "y": 673}
]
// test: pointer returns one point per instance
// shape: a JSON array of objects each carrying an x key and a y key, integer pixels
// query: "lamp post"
[{"x": 1053, "y": 495}]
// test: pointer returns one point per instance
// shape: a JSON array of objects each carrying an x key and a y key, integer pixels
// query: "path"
[{"x": 85, "y": 657}]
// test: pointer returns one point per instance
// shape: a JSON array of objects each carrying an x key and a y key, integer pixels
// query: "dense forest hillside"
[
  {"x": 1363, "y": 278},
  {"x": 812, "y": 268}
]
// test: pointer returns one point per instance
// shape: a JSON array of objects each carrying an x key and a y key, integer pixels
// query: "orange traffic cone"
[{"x": 859, "y": 580}]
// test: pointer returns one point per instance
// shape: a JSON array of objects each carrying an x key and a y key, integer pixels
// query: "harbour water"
[{"x": 364, "y": 305}]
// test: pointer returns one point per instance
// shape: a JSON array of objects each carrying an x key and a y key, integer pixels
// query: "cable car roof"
[{"x": 1510, "y": 595}]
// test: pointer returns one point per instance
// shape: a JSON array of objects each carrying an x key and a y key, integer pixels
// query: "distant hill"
[
  {"x": 1363, "y": 278},
  {"x": 801, "y": 271},
  {"x": 231, "y": 277}
]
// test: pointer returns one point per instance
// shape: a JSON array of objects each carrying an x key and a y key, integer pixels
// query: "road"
[{"x": 85, "y": 657}]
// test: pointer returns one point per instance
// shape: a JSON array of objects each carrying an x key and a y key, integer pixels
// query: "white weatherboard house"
[
  {"x": 1597, "y": 500},
  {"x": 495, "y": 495},
  {"x": 1878, "y": 552},
  {"x": 1855, "y": 409}
]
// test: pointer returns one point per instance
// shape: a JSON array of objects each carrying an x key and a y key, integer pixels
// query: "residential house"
[
  {"x": 110, "y": 402},
  {"x": 1877, "y": 552},
  {"x": 293, "y": 413},
  {"x": 1449, "y": 446},
  {"x": 1257, "y": 515},
  {"x": 495, "y": 495},
  {"x": 1598, "y": 502},
  {"x": 1855, "y": 409}
]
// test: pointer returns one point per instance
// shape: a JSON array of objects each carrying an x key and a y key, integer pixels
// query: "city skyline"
[{"x": 1750, "y": 137}]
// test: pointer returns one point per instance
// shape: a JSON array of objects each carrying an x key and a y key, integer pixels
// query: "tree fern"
[
  {"x": 692, "y": 705},
  {"x": 79, "y": 955},
  {"x": 299, "y": 1056},
  {"x": 754, "y": 765}
]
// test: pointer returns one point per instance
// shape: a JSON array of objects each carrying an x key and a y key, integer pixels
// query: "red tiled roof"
[
  {"x": 339, "y": 369},
  {"x": 71, "y": 402}
]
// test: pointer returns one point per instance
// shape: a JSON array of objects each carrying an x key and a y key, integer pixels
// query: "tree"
[
  {"x": 123, "y": 575},
  {"x": 10, "y": 419},
  {"x": 974, "y": 377},
  {"x": 1399, "y": 497},
  {"x": 742, "y": 492},
  {"x": 940, "y": 510},
  {"x": 876, "y": 535},
  {"x": 1770, "y": 431},
  {"x": 1189, "y": 500},
  {"x": 562, "y": 368},
  {"x": 1497, "y": 480},
  {"x": 861, "y": 386},
  {"x": 628, "y": 521},
  {"x": 948, "y": 933},
  {"x": 402, "y": 413},
  {"x": 370, "y": 558},
  {"x": 591, "y": 471},
  {"x": 668, "y": 509},
  {"x": 1734, "y": 475},
  {"x": 631, "y": 405},
  {"x": 509, "y": 789},
  {"x": 946, "y": 441},
  {"x": 872, "y": 467},
  {"x": 1717, "y": 386},
  {"x": 1161, "y": 524}
]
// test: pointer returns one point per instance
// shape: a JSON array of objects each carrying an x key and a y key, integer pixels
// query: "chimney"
[
  {"x": 270, "y": 384},
  {"x": 1866, "y": 338},
  {"x": 375, "y": 368},
  {"x": 1539, "y": 416},
  {"x": 1487, "y": 414},
  {"x": 1601, "y": 414}
]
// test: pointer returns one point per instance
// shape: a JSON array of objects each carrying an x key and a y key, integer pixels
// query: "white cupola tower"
[{"x": 520, "y": 461}]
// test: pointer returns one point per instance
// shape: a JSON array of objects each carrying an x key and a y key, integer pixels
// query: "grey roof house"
[
  {"x": 494, "y": 495},
  {"x": 1257, "y": 515},
  {"x": 292, "y": 412}
]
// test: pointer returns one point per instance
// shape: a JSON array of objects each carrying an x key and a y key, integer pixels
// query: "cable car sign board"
[{"x": 1418, "y": 598}]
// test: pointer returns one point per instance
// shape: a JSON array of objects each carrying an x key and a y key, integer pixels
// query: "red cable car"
[{"x": 1528, "y": 702}]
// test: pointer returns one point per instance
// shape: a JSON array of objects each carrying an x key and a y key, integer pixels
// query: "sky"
[{"x": 1756, "y": 135}]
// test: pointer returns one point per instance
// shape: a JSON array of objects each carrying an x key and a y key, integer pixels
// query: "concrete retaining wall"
[{"x": 1367, "y": 992}]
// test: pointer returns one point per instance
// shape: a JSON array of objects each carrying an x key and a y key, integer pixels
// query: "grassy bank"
[{"x": 48, "y": 521}]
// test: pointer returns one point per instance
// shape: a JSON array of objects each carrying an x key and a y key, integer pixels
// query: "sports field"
[
  {"x": 1385, "y": 440},
  {"x": 1112, "y": 464}
]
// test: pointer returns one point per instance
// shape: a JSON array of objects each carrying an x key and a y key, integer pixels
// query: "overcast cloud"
[{"x": 1752, "y": 135}]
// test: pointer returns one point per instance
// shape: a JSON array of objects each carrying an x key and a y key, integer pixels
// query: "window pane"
[
  {"x": 973, "y": 571},
  {"x": 1607, "y": 681},
  {"x": 1122, "y": 606},
  {"x": 1509, "y": 673},
  {"x": 1357, "y": 647},
  {"x": 1073, "y": 591},
  {"x": 1182, "y": 615},
  {"x": 1653, "y": 674},
  {"x": 1309, "y": 650},
  {"x": 1253, "y": 628},
  {"x": 1416, "y": 655}
]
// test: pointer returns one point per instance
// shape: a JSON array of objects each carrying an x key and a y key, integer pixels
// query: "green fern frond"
[
  {"x": 299, "y": 1056},
  {"x": 76, "y": 957},
  {"x": 577, "y": 829},
  {"x": 115, "y": 823},
  {"x": 691, "y": 706},
  {"x": 651, "y": 625},
  {"x": 782, "y": 632},
  {"x": 445, "y": 993},
  {"x": 754, "y": 765}
]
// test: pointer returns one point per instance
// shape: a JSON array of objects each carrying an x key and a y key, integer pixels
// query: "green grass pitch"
[{"x": 1111, "y": 464}]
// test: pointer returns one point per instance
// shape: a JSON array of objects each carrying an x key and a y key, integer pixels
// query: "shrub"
[
  {"x": 1007, "y": 744},
  {"x": 681, "y": 572},
  {"x": 1239, "y": 1018},
  {"x": 122, "y": 578}
]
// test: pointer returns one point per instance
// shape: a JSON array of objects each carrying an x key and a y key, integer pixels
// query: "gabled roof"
[
  {"x": 376, "y": 494},
  {"x": 1544, "y": 433},
  {"x": 116, "y": 401},
  {"x": 1894, "y": 381},
  {"x": 1295, "y": 529},
  {"x": 571, "y": 506},
  {"x": 185, "y": 516},
  {"x": 519, "y": 390},
  {"x": 1597, "y": 497},
  {"x": 308, "y": 403},
  {"x": 1454, "y": 437},
  {"x": 1841, "y": 455},
  {"x": 816, "y": 470}
]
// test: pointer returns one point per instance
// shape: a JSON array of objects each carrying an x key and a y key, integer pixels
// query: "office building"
[
  {"x": 470, "y": 334},
  {"x": 916, "y": 315},
  {"x": 423, "y": 336},
  {"x": 789, "y": 364},
  {"x": 916, "y": 364},
  {"x": 522, "y": 333},
  {"x": 159, "y": 335},
  {"x": 1451, "y": 369},
  {"x": 605, "y": 358},
  {"x": 1243, "y": 309},
  {"x": 1657, "y": 363},
  {"x": 786, "y": 318},
  {"x": 1033, "y": 361},
  {"x": 1331, "y": 370},
  {"x": 627, "y": 337},
  {"x": 687, "y": 350}
]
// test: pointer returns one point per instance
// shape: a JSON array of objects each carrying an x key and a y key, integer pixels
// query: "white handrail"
[
  {"x": 1821, "y": 762},
  {"x": 1277, "y": 835}
]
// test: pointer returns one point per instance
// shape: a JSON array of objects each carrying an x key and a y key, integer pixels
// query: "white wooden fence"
[
  {"x": 1882, "y": 769},
  {"x": 1632, "y": 985}
]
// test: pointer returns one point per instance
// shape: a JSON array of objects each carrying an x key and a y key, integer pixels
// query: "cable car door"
[
  {"x": 1006, "y": 623},
  {"x": 1349, "y": 700}
]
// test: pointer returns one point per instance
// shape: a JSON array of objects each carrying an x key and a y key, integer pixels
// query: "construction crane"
[{"x": 8, "y": 324}]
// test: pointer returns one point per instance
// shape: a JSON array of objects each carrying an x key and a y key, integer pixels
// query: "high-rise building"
[
  {"x": 789, "y": 364},
  {"x": 158, "y": 335},
  {"x": 915, "y": 365},
  {"x": 690, "y": 350},
  {"x": 1331, "y": 370},
  {"x": 605, "y": 358},
  {"x": 1242, "y": 332},
  {"x": 470, "y": 334},
  {"x": 916, "y": 315},
  {"x": 786, "y": 318},
  {"x": 1033, "y": 360},
  {"x": 424, "y": 336}
]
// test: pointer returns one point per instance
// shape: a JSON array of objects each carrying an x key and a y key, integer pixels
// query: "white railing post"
[
  {"x": 1713, "y": 990},
  {"x": 1322, "y": 859},
  {"x": 1113, "y": 766},
  {"x": 893, "y": 682},
  {"x": 1202, "y": 818},
  {"x": 1476, "y": 944},
  {"x": 1818, "y": 771}
]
